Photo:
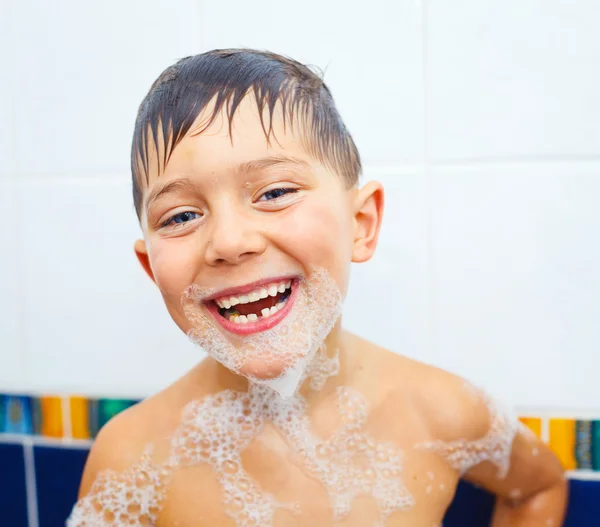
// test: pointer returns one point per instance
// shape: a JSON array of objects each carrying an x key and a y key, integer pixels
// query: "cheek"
[
  {"x": 173, "y": 267},
  {"x": 319, "y": 234}
]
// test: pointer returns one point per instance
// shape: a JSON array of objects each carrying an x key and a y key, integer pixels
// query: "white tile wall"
[
  {"x": 389, "y": 298},
  {"x": 371, "y": 57},
  {"x": 82, "y": 69},
  {"x": 12, "y": 365},
  {"x": 7, "y": 158},
  {"x": 481, "y": 118},
  {"x": 516, "y": 280},
  {"x": 509, "y": 78},
  {"x": 94, "y": 321}
]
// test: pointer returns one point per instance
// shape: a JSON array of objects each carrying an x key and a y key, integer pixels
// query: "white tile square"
[
  {"x": 7, "y": 158},
  {"x": 388, "y": 300},
  {"x": 508, "y": 78},
  {"x": 517, "y": 280},
  {"x": 83, "y": 69},
  {"x": 371, "y": 55},
  {"x": 12, "y": 358},
  {"x": 95, "y": 323},
  {"x": 7, "y": 91}
]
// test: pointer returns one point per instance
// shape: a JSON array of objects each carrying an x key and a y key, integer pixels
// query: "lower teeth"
[{"x": 252, "y": 317}]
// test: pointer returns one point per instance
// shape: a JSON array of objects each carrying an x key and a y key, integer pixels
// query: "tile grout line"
[
  {"x": 560, "y": 413},
  {"x": 545, "y": 432},
  {"x": 430, "y": 294},
  {"x": 35, "y": 440},
  {"x": 516, "y": 160},
  {"x": 376, "y": 168},
  {"x": 67, "y": 424},
  {"x": 23, "y": 285},
  {"x": 32, "y": 506}
]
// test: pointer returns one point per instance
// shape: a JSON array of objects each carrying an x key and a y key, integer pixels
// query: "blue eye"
[
  {"x": 277, "y": 193},
  {"x": 181, "y": 218}
]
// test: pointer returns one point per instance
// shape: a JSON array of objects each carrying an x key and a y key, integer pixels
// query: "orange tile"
[
  {"x": 534, "y": 424},
  {"x": 80, "y": 424},
  {"x": 51, "y": 416},
  {"x": 562, "y": 441}
]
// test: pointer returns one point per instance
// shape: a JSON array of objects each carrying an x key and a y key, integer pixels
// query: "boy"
[{"x": 246, "y": 186}]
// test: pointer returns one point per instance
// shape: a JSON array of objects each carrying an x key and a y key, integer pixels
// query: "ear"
[
  {"x": 367, "y": 221},
  {"x": 142, "y": 255}
]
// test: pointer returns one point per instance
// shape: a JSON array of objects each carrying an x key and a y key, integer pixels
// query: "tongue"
[{"x": 258, "y": 306}]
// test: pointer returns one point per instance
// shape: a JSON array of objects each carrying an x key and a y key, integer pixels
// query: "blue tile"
[
  {"x": 13, "y": 494},
  {"x": 584, "y": 503},
  {"x": 58, "y": 473},
  {"x": 471, "y": 507},
  {"x": 18, "y": 414}
]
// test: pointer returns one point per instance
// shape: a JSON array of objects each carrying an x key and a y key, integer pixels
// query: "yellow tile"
[
  {"x": 80, "y": 426},
  {"x": 562, "y": 441},
  {"x": 52, "y": 416},
  {"x": 534, "y": 424}
]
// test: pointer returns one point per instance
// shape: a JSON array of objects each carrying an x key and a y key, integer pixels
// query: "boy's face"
[{"x": 228, "y": 211}]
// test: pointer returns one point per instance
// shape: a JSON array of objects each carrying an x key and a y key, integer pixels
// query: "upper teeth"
[{"x": 253, "y": 296}]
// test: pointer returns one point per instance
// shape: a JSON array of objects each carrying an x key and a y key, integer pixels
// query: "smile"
[{"x": 254, "y": 309}]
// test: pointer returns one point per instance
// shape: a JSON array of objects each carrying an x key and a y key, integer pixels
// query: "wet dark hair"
[{"x": 185, "y": 89}]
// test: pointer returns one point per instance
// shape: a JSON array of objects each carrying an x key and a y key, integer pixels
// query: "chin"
[{"x": 263, "y": 370}]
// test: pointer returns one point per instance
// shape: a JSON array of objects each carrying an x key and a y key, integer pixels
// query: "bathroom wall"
[{"x": 480, "y": 118}]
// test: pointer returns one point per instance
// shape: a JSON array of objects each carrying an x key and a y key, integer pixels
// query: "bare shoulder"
[
  {"x": 447, "y": 405},
  {"x": 121, "y": 443},
  {"x": 452, "y": 407}
]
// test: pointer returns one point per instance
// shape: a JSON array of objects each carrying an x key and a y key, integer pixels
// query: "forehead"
[{"x": 223, "y": 145}]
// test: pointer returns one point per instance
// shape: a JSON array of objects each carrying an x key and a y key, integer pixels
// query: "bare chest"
[{"x": 273, "y": 483}]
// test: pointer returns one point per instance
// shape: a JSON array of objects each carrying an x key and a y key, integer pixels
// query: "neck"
[
  {"x": 330, "y": 367},
  {"x": 334, "y": 345}
]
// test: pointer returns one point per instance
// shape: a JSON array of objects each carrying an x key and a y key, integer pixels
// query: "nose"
[{"x": 233, "y": 238}]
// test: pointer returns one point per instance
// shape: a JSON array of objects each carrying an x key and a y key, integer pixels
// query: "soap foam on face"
[{"x": 277, "y": 357}]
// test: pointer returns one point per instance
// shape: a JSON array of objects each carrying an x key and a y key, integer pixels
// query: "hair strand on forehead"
[{"x": 185, "y": 89}]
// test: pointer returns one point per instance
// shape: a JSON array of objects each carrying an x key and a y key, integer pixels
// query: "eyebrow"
[
  {"x": 256, "y": 165},
  {"x": 247, "y": 167},
  {"x": 171, "y": 187}
]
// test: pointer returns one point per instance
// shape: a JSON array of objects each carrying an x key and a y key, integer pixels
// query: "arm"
[
  {"x": 488, "y": 446},
  {"x": 533, "y": 493}
]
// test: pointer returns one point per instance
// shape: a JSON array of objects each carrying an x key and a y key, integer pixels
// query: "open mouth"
[
  {"x": 255, "y": 310},
  {"x": 262, "y": 302}
]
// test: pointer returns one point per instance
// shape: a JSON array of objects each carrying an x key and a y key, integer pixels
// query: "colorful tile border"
[
  {"x": 576, "y": 442},
  {"x": 73, "y": 417}
]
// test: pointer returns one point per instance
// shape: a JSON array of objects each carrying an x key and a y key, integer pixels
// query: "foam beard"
[{"x": 278, "y": 356}]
